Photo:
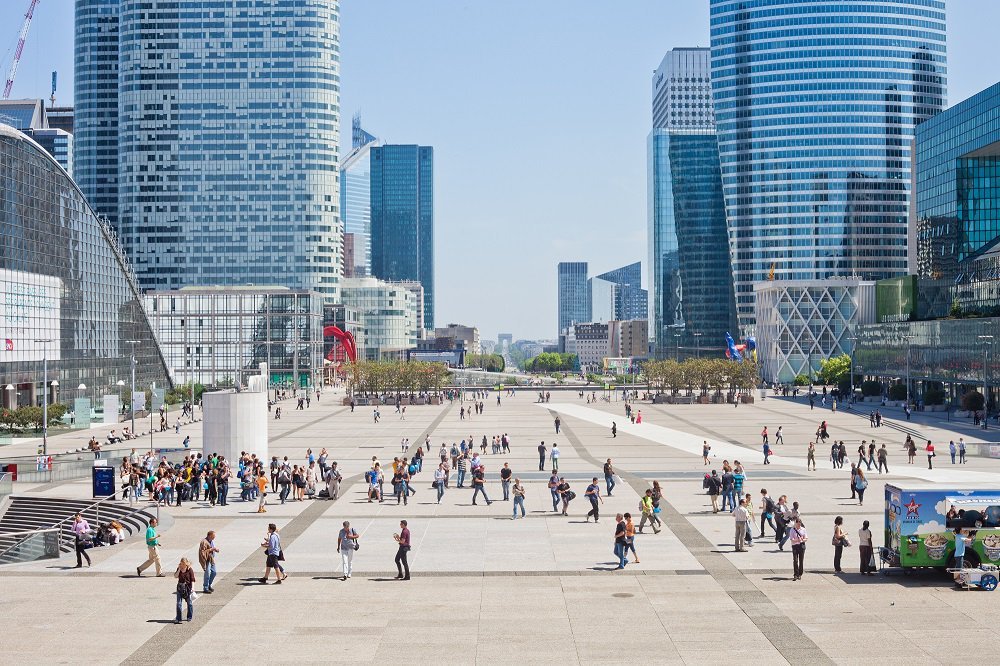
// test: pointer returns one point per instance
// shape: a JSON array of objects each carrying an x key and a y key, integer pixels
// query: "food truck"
[{"x": 920, "y": 526}]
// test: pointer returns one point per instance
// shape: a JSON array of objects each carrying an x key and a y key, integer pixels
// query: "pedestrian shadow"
[
  {"x": 579, "y": 522},
  {"x": 383, "y": 580},
  {"x": 328, "y": 578},
  {"x": 160, "y": 621},
  {"x": 607, "y": 566},
  {"x": 778, "y": 578}
]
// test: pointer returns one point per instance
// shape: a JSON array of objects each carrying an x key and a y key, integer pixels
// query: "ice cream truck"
[{"x": 920, "y": 526}]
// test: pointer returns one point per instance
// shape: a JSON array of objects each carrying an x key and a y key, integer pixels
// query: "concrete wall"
[{"x": 235, "y": 422}]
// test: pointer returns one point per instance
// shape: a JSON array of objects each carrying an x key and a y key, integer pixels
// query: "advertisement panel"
[
  {"x": 139, "y": 401},
  {"x": 111, "y": 407},
  {"x": 81, "y": 413},
  {"x": 29, "y": 311}
]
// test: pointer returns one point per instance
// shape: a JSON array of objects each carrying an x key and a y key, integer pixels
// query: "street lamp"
[
  {"x": 853, "y": 342},
  {"x": 697, "y": 339},
  {"x": 45, "y": 394},
  {"x": 987, "y": 343},
  {"x": 908, "y": 348},
  {"x": 13, "y": 397},
  {"x": 131, "y": 396}
]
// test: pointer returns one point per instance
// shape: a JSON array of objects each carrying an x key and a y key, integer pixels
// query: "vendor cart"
[{"x": 984, "y": 577}]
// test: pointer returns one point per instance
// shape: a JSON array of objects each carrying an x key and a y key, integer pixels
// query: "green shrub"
[
  {"x": 934, "y": 397},
  {"x": 871, "y": 388},
  {"x": 897, "y": 392},
  {"x": 801, "y": 380},
  {"x": 973, "y": 401}
]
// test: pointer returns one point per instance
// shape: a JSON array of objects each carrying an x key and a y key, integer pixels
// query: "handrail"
[
  {"x": 37, "y": 529},
  {"x": 86, "y": 508},
  {"x": 28, "y": 535}
]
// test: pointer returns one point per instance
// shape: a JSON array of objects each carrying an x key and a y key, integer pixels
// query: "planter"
[
  {"x": 704, "y": 399},
  {"x": 346, "y": 403},
  {"x": 404, "y": 400},
  {"x": 661, "y": 399},
  {"x": 746, "y": 399},
  {"x": 435, "y": 400},
  {"x": 420, "y": 401}
]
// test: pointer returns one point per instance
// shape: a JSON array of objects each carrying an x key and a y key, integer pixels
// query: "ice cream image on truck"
[{"x": 920, "y": 526}]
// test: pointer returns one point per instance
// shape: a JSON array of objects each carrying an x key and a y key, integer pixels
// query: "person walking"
[
  {"x": 811, "y": 457},
  {"x": 728, "y": 490},
  {"x": 593, "y": 493},
  {"x": 714, "y": 489},
  {"x": 929, "y": 449},
  {"x": 778, "y": 437},
  {"x": 741, "y": 517},
  {"x": 866, "y": 550},
  {"x": 403, "y": 539},
  {"x": 883, "y": 459},
  {"x": 81, "y": 534},
  {"x": 479, "y": 484},
  {"x": 839, "y": 542},
  {"x": 860, "y": 485},
  {"x": 206, "y": 558},
  {"x": 646, "y": 512},
  {"x": 798, "y": 538},
  {"x": 541, "y": 457},
  {"x": 554, "y": 491},
  {"x": 565, "y": 494},
  {"x": 261, "y": 492},
  {"x": 953, "y": 450},
  {"x": 620, "y": 541},
  {"x": 185, "y": 588},
  {"x": 347, "y": 544},
  {"x": 440, "y": 480},
  {"x": 609, "y": 477},
  {"x": 558, "y": 424},
  {"x": 506, "y": 473},
  {"x": 961, "y": 450},
  {"x": 705, "y": 450},
  {"x": 763, "y": 436},
  {"x": 767, "y": 453},
  {"x": 518, "y": 491},
  {"x": 767, "y": 509},
  {"x": 554, "y": 454},
  {"x": 153, "y": 550},
  {"x": 274, "y": 555}
]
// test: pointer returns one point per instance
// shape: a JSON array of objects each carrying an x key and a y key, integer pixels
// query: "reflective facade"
[
  {"x": 95, "y": 95},
  {"x": 690, "y": 277},
  {"x": 958, "y": 192},
  {"x": 228, "y": 125},
  {"x": 574, "y": 294},
  {"x": 355, "y": 202},
  {"x": 220, "y": 336},
  {"x": 67, "y": 291},
  {"x": 816, "y": 104},
  {"x": 402, "y": 218},
  {"x": 628, "y": 298},
  {"x": 387, "y": 313}
]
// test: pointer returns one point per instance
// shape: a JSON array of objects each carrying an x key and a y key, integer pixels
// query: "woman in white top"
[
  {"x": 440, "y": 476},
  {"x": 866, "y": 550}
]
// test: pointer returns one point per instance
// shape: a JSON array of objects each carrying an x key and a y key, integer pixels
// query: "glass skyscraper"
[
  {"x": 228, "y": 128},
  {"x": 95, "y": 94},
  {"x": 402, "y": 218},
  {"x": 816, "y": 105},
  {"x": 690, "y": 277},
  {"x": 574, "y": 294},
  {"x": 621, "y": 289},
  {"x": 355, "y": 202}
]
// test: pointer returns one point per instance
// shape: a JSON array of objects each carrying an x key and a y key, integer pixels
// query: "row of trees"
[
  {"x": 552, "y": 362},
  {"x": 30, "y": 417},
  {"x": 488, "y": 362},
  {"x": 703, "y": 375},
  {"x": 396, "y": 377}
]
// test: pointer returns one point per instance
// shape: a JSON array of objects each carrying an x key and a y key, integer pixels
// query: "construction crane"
[{"x": 20, "y": 47}]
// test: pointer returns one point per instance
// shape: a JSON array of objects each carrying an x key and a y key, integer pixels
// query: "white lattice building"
[{"x": 802, "y": 322}]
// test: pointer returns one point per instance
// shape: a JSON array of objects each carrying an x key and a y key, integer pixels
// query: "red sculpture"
[{"x": 345, "y": 338}]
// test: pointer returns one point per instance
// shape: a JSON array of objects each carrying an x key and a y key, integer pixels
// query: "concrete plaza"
[{"x": 489, "y": 589}]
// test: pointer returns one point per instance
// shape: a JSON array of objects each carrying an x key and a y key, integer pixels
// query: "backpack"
[{"x": 769, "y": 505}]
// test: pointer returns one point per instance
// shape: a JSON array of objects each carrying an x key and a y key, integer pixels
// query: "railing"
[
  {"x": 6, "y": 484},
  {"x": 31, "y": 546},
  {"x": 96, "y": 506}
]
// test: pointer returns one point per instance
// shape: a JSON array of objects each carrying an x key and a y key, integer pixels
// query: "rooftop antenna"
[{"x": 52, "y": 97}]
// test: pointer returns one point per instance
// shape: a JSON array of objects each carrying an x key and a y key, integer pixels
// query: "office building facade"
[
  {"x": 690, "y": 276},
  {"x": 355, "y": 202},
  {"x": 574, "y": 293},
  {"x": 388, "y": 316},
  {"x": 628, "y": 300},
  {"x": 816, "y": 106},
  {"x": 95, "y": 96},
  {"x": 402, "y": 218},
  {"x": 34, "y": 119},
  {"x": 219, "y": 336},
  {"x": 70, "y": 300},
  {"x": 224, "y": 177}
]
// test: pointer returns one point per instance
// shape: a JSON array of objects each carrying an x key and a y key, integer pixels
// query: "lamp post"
[
  {"x": 131, "y": 397},
  {"x": 45, "y": 394},
  {"x": 12, "y": 395},
  {"x": 987, "y": 343},
  {"x": 908, "y": 348},
  {"x": 697, "y": 340},
  {"x": 853, "y": 341}
]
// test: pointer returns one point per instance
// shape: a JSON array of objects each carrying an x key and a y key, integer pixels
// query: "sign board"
[
  {"x": 993, "y": 451},
  {"x": 103, "y": 481},
  {"x": 81, "y": 413},
  {"x": 139, "y": 401},
  {"x": 43, "y": 463},
  {"x": 159, "y": 395},
  {"x": 111, "y": 407},
  {"x": 29, "y": 311}
]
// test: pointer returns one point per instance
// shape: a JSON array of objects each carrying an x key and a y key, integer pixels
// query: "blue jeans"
[
  {"x": 729, "y": 497},
  {"x": 285, "y": 489},
  {"x": 518, "y": 502},
  {"x": 440, "y": 489},
  {"x": 609, "y": 481},
  {"x": 223, "y": 492},
  {"x": 556, "y": 498},
  {"x": 461, "y": 477},
  {"x": 181, "y": 598},
  {"x": 619, "y": 553},
  {"x": 210, "y": 574},
  {"x": 784, "y": 537},
  {"x": 480, "y": 489},
  {"x": 506, "y": 490}
]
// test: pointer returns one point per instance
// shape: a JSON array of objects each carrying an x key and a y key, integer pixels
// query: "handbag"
[
  {"x": 194, "y": 596},
  {"x": 656, "y": 509},
  {"x": 281, "y": 555},
  {"x": 357, "y": 546}
]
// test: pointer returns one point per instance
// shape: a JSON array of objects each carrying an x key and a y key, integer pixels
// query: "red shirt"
[
  {"x": 404, "y": 537},
  {"x": 930, "y": 448}
]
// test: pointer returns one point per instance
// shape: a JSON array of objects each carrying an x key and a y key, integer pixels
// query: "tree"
[
  {"x": 973, "y": 401},
  {"x": 801, "y": 380},
  {"x": 833, "y": 371}
]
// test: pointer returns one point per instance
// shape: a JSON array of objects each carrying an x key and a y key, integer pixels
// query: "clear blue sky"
[{"x": 538, "y": 112}]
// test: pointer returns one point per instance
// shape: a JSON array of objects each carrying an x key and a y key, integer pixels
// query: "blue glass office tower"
[
  {"x": 355, "y": 202},
  {"x": 228, "y": 130},
  {"x": 95, "y": 132},
  {"x": 402, "y": 218},
  {"x": 628, "y": 298},
  {"x": 574, "y": 294},
  {"x": 816, "y": 105},
  {"x": 690, "y": 277}
]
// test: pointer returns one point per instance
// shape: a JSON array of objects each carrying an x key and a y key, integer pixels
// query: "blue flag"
[{"x": 734, "y": 353}]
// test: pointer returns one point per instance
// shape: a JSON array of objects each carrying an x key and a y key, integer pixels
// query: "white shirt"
[
  {"x": 864, "y": 537},
  {"x": 555, "y": 451},
  {"x": 740, "y": 514}
]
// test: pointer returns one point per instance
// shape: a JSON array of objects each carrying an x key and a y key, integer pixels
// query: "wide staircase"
[{"x": 27, "y": 513}]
